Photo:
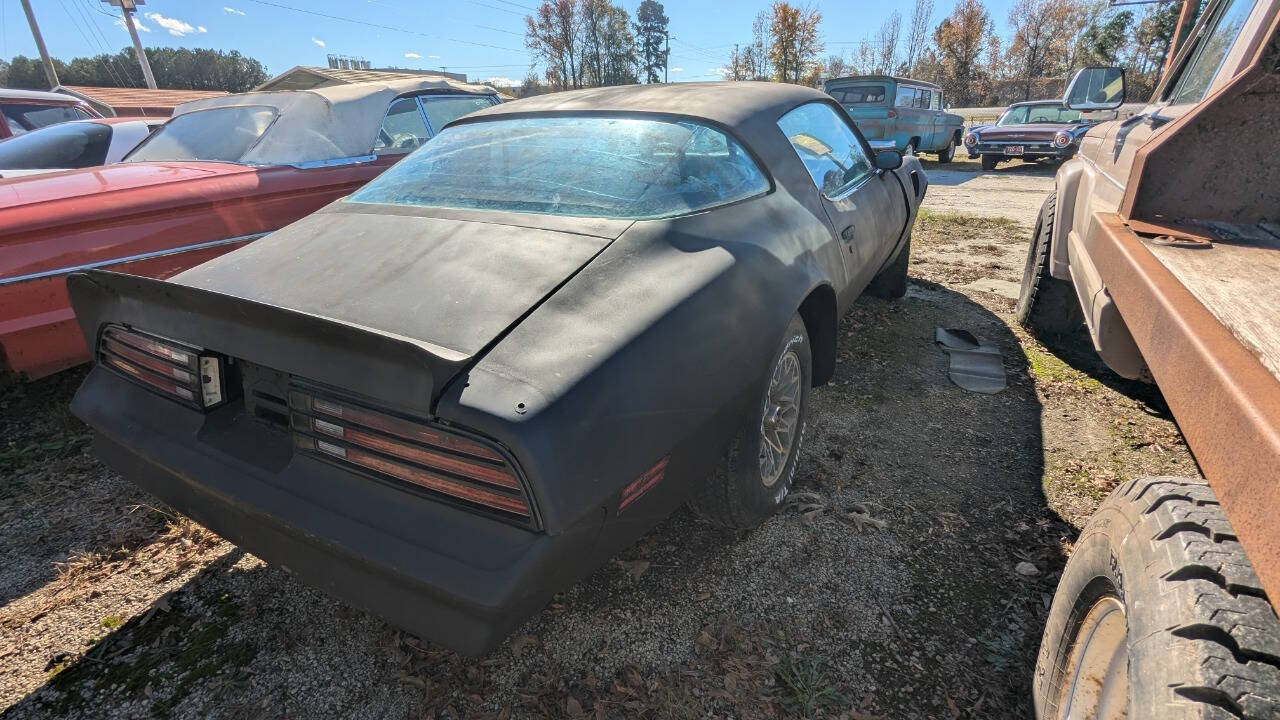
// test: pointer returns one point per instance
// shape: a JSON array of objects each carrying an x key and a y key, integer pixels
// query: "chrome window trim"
[
  {"x": 335, "y": 162},
  {"x": 128, "y": 259}
]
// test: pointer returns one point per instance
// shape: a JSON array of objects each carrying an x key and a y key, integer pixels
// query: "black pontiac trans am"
[{"x": 462, "y": 388}]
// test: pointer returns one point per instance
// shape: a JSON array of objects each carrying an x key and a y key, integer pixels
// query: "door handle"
[{"x": 847, "y": 234}]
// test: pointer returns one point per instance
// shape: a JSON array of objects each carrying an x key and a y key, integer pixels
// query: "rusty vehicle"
[
  {"x": 515, "y": 352},
  {"x": 1163, "y": 239},
  {"x": 220, "y": 173},
  {"x": 27, "y": 110},
  {"x": 1031, "y": 131},
  {"x": 909, "y": 113}
]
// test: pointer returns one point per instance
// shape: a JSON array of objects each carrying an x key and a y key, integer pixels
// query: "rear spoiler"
[{"x": 397, "y": 371}]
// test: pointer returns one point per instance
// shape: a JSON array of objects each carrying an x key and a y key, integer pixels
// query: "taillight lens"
[
  {"x": 412, "y": 451},
  {"x": 175, "y": 369},
  {"x": 893, "y": 114}
]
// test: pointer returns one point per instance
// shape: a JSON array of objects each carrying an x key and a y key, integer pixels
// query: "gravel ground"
[{"x": 888, "y": 588}]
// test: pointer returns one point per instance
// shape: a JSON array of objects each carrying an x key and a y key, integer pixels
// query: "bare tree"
[
  {"x": 1040, "y": 30},
  {"x": 759, "y": 66},
  {"x": 888, "y": 35},
  {"x": 739, "y": 65},
  {"x": 837, "y": 67},
  {"x": 918, "y": 32},
  {"x": 960, "y": 40},
  {"x": 552, "y": 35}
]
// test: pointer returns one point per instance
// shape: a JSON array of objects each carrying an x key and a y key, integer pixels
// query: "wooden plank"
[{"x": 1238, "y": 280}]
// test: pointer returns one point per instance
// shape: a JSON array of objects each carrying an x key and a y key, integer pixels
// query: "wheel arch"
[
  {"x": 1067, "y": 186},
  {"x": 818, "y": 311}
]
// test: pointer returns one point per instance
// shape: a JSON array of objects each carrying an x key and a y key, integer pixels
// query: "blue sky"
[{"x": 483, "y": 38}]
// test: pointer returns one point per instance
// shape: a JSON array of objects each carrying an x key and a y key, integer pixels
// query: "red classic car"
[
  {"x": 27, "y": 110},
  {"x": 221, "y": 173}
]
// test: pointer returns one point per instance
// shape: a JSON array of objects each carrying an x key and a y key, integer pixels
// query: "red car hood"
[
  {"x": 1038, "y": 132},
  {"x": 35, "y": 201}
]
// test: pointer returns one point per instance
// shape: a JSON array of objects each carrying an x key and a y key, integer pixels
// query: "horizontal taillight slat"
[
  {"x": 429, "y": 480},
  {"x": 150, "y": 378},
  {"x": 137, "y": 357},
  {"x": 434, "y": 460},
  {"x": 402, "y": 428},
  {"x": 411, "y": 451},
  {"x": 181, "y": 356}
]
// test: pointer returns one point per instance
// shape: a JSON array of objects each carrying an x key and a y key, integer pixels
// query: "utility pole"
[
  {"x": 666, "y": 56},
  {"x": 128, "y": 8},
  {"x": 49, "y": 73}
]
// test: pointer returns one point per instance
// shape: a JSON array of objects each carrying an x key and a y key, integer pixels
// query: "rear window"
[
  {"x": 859, "y": 95},
  {"x": 216, "y": 135},
  {"x": 23, "y": 118},
  {"x": 68, "y": 145},
  {"x": 583, "y": 166}
]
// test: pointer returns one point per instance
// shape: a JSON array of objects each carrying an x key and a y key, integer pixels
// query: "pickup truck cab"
[
  {"x": 1162, "y": 238},
  {"x": 910, "y": 113}
]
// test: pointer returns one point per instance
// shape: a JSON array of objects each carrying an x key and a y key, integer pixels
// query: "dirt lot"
[{"x": 889, "y": 588}]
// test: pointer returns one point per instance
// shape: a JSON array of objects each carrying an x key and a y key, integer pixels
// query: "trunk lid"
[{"x": 387, "y": 302}]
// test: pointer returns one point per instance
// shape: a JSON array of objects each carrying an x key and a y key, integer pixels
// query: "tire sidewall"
[
  {"x": 1095, "y": 571},
  {"x": 761, "y": 500}
]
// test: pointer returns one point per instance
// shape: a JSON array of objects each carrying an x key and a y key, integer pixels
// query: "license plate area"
[{"x": 1014, "y": 149}]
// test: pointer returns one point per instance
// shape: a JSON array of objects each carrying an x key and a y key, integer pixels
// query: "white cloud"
[
  {"x": 202, "y": 28},
  {"x": 502, "y": 81},
  {"x": 413, "y": 56},
  {"x": 433, "y": 57},
  {"x": 677, "y": 69},
  {"x": 136, "y": 23},
  {"x": 317, "y": 41},
  {"x": 176, "y": 27},
  {"x": 232, "y": 10}
]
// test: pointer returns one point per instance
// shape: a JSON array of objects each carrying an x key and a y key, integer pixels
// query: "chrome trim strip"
[
  {"x": 129, "y": 259},
  {"x": 335, "y": 162}
]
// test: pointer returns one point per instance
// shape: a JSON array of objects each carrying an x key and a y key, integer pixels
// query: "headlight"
[
  {"x": 971, "y": 139},
  {"x": 1062, "y": 139}
]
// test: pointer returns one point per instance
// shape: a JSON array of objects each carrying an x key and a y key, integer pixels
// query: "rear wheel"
[
  {"x": 755, "y": 476},
  {"x": 948, "y": 152},
  {"x": 989, "y": 162},
  {"x": 911, "y": 147},
  {"x": 1159, "y": 615},
  {"x": 1045, "y": 303}
]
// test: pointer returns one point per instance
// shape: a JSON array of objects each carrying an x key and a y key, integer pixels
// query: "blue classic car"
[{"x": 908, "y": 113}]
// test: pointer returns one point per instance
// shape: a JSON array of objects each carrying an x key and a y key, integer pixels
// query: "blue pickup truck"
[{"x": 909, "y": 113}]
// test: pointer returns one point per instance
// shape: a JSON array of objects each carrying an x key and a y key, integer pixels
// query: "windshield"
[
  {"x": 1027, "y": 114},
  {"x": 216, "y": 135},
  {"x": 583, "y": 166},
  {"x": 859, "y": 95},
  {"x": 69, "y": 145}
]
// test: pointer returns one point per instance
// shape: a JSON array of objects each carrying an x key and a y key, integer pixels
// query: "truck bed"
[{"x": 1238, "y": 281}]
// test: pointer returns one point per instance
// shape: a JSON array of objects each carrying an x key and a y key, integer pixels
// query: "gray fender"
[{"x": 1067, "y": 185}]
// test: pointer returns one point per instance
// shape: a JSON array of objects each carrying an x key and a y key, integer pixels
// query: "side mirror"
[
  {"x": 888, "y": 160},
  {"x": 1096, "y": 88}
]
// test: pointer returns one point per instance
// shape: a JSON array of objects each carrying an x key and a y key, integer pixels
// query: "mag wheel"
[
  {"x": 755, "y": 476},
  {"x": 1159, "y": 615}
]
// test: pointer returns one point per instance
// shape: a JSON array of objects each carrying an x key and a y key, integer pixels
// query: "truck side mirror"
[{"x": 1096, "y": 88}]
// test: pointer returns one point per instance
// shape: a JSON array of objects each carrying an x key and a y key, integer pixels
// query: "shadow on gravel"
[
  {"x": 908, "y": 577},
  {"x": 59, "y": 506},
  {"x": 1076, "y": 350}
]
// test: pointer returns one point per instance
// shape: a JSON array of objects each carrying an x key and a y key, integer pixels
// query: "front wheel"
[
  {"x": 948, "y": 152},
  {"x": 1046, "y": 305},
  {"x": 1159, "y": 616},
  {"x": 755, "y": 475},
  {"x": 989, "y": 162}
]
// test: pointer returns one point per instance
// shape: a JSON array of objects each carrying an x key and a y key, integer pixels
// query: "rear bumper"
[{"x": 451, "y": 576}]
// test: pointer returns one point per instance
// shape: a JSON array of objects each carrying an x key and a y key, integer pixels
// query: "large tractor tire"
[{"x": 1159, "y": 616}]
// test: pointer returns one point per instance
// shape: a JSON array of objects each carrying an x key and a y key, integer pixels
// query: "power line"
[
  {"x": 381, "y": 27},
  {"x": 94, "y": 28},
  {"x": 494, "y": 7},
  {"x": 516, "y": 4},
  {"x": 91, "y": 43}
]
